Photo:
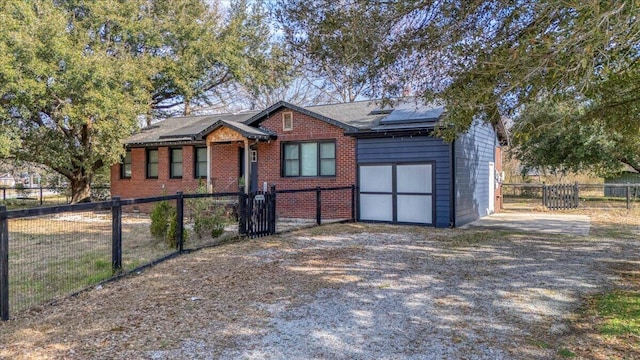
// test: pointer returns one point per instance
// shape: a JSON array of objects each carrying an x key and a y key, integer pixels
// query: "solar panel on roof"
[{"x": 410, "y": 112}]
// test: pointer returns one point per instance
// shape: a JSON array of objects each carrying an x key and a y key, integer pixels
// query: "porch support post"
[
  {"x": 247, "y": 166},
  {"x": 209, "y": 185}
]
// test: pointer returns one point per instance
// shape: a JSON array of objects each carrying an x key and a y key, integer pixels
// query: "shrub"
[
  {"x": 208, "y": 216},
  {"x": 164, "y": 218}
]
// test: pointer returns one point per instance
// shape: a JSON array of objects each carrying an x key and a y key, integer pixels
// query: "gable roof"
[
  {"x": 182, "y": 129},
  {"x": 247, "y": 131},
  {"x": 262, "y": 115},
  {"x": 360, "y": 118}
]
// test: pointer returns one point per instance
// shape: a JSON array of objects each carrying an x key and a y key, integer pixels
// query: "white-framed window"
[
  {"x": 287, "y": 121},
  {"x": 254, "y": 156}
]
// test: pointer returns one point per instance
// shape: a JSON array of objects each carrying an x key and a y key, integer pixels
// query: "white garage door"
[{"x": 397, "y": 193}]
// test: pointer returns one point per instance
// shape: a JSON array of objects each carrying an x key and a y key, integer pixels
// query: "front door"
[{"x": 253, "y": 158}]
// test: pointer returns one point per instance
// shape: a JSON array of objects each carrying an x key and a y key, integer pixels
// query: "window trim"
[
  {"x": 285, "y": 115},
  {"x": 318, "y": 159},
  {"x": 197, "y": 160},
  {"x": 171, "y": 175},
  {"x": 147, "y": 163},
  {"x": 123, "y": 165}
]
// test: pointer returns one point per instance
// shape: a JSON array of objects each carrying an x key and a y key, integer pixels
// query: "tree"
[
  {"x": 487, "y": 59},
  {"x": 76, "y": 75},
  {"x": 72, "y": 93},
  {"x": 334, "y": 43},
  {"x": 549, "y": 136},
  {"x": 201, "y": 50}
]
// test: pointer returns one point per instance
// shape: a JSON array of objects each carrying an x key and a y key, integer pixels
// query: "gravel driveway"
[{"x": 346, "y": 291}]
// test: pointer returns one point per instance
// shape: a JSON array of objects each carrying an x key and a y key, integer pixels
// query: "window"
[
  {"x": 309, "y": 159},
  {"x": 176, "y": 163},
  {"x": 287, "y": 121},
  {"x": 152, "y": 163},
  {"x": 201, "y": 163},
  {"x": 125, "y": 166},
  {"x": 254, "y": 155}
]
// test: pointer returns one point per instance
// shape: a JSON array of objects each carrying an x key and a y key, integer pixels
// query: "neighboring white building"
[{"x": 7, "y": 180}]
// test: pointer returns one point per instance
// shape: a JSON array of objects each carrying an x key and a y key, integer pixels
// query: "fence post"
[
  {"x": 628, "y": 196},
  {"x": 116, "y": 235},
  {"x": 544, "y": 194},
  {"x": 353, "y": 202},
  {"x": 242, "y": 211},
  {"x": 4, "y": 264},
  {"x": 318, "y": 206},
  {"x": 576, "y": 194},
  {"x": 272, "y": 220},
  {"x": 41, "y": 197},
  {"x": 180, "y": 221}
]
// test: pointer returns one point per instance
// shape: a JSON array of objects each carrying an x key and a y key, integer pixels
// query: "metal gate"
[
  {"x": 560, "y": 196},
  {"x": 258, "y": 213}
]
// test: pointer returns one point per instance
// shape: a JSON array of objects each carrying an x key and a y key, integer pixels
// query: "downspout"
[{"x": 452, "y": 187}]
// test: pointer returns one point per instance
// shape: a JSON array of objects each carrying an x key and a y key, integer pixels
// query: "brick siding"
[
  {"x": 139, "y": 186},
  {"x": 225, "y": 170}
]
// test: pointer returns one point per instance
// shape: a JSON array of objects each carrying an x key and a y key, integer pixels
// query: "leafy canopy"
[
  {"x": 75, "y": 75},
  {"x": 488, "y": 59}
]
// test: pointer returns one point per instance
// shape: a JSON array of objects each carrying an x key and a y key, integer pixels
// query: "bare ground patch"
[{"x": 340, "y": 291}]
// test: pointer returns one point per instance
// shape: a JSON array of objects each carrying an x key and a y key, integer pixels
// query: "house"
[
  {"x": 404, "y": 175},
  {"x": 627, "y": 176}
]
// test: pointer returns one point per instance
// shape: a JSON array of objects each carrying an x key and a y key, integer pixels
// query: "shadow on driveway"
[{"x": 535, "y": 222}]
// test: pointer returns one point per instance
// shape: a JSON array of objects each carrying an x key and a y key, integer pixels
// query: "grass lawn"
[{"x": 55, "y": 255}]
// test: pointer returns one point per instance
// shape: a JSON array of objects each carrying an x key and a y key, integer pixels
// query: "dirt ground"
[{"x": 350, "y": 291}]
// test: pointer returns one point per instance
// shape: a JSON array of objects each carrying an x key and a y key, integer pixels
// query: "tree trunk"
[
  {"x": 80, "y": 189},
  {"x": 187, "y": 107}
]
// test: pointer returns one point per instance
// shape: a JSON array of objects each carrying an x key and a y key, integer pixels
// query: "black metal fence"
[
  {"x": 49, "y": 252},
  {"x": 589, "y": 196}
]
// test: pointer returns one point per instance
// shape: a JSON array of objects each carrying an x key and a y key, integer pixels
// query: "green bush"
[
  {"x": 164, "y": 219},
  {"x": 208, "y": 217}
]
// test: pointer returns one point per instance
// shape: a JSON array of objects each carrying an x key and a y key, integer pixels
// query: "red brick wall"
[
  {"x": 139, "y": 186},
  {"x": 225, "y": 170},
  {"x": 336, "y": 204}
]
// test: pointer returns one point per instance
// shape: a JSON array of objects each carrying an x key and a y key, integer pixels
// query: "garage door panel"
[
  {"x": 376, "y": 178},
  {"x": 397, "y": 192},
  {"x": 376, "y": 207},
  {"x": 415, "y": 209},
  {"x": 414, "y": 178}
]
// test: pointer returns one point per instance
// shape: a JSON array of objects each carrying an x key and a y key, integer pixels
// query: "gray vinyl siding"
[
  {"x": 624, "y": 178},
  {"x": 414, "y": 149},
  {"x": 474, "y": 151}
]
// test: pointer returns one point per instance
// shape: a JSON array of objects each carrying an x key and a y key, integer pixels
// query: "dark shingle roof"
[
  {"x": 360, "y": 117},
  {"x": 182, "y": 129}
]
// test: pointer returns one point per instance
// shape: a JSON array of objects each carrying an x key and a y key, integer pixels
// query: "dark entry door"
[{"x": 253, "y": 158}]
